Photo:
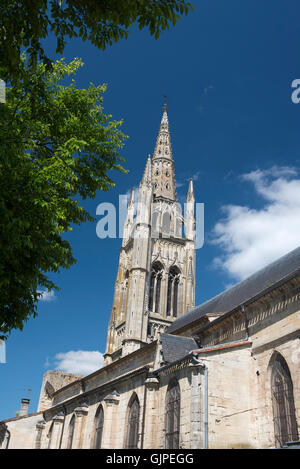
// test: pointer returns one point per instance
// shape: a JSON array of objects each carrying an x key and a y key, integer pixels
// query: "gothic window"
[
  {"x": 175, "y": 297},
  {"x": 151, "y": 292},
  {"x": 157, "y": 293},
  {"x": 166, "y": 222},
  {"x": 71, "y": 433},
  {"x": 172, "y": 292},
  {"x": 169, "y": 296},
  {"x": 155, "y": 227},
  {"x": 172, "y": 415},
  {"x": 155, "y": 287},
  {"x": 167, "y": 173},
  {"x": 133, "y": 423},
  {"x": 285, "y": 424},
  {"x": 99, "y": 422},
  {"x": 167, "y": 186}
]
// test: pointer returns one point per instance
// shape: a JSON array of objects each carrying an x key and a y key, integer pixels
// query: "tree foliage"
[
  {"x": 24, "y": 25},
  {"x": 56, "y": 144}
]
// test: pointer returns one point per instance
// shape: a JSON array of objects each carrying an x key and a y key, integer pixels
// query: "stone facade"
[{"x": 223, "y": 375}]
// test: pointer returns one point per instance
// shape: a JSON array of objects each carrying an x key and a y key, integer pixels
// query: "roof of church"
[
  {"x": 244, "y": 291},
  {"x": 175, "y": 347}
]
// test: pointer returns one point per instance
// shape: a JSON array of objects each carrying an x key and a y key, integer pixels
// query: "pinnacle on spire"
[
  {"x": 147, "y": 177},
  {"x": 131, "y": 198},
  {"x": 129, "y": 218},
  {"x": 190, "y": 195}
]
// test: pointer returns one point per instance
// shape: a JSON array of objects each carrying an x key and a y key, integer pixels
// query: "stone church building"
[{"x": 224, "y": 374}]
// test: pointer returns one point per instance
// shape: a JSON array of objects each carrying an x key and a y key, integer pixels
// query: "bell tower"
[{"x": 156, "y": 276}]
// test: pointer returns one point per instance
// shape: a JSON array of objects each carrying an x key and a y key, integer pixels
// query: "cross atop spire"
[{"x": 165, "y": 102}]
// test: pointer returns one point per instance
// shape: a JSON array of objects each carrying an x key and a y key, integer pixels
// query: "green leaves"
[
  {"x": 56, "y": 144},
  {"x": 24, "y": 24}
]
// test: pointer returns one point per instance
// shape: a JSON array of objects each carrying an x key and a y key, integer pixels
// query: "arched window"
[
  {"x": 169, "y": 296},
  {"x": 133, "y": 423},
  {"x": 166, "y": 223},
  {"x": 155, "y": 225},
  {"x": 285, "y": 423},
  {"x": 172, "y": 415},
  {"x": 175, "y": 302},
  {"x": 151, "y": 292},
  {"x": 71, "y": 432},
  {"x": 155, "y": 287},
  {"x": 99, "y": 422},
  {"x": 157, "y": 293},
  {"x": 172, "y": 292}
]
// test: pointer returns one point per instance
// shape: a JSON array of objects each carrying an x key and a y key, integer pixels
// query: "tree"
[
  {"x": 56, "y": 143},
  {"x": 23, "y": 25}
]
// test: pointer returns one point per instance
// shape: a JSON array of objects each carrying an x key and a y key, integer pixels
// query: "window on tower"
[
  {"x": 166, "y": 224},
  {"x": 172, "y": 292},
  {"x": 133, "y": 417},
  {"x": 155, "y": 287},
  {"x": 155, "y": 224},
  {"x": 172, "y": 415}
]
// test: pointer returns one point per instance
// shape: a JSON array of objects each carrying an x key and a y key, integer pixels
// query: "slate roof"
[
  {"x": 175, "y": 347},
  {"x": 267, "y": 278}
]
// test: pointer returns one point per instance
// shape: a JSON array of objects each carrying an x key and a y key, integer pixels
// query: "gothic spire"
[
  {"x": 163, "y": 147},
  {"x": 190, "y": 212},
  {"x": 131, "y": 199},
  {"x": 190, "y": 195},
  {"x": 163, "y": 176},
  {"x": 147, "y": 177}
]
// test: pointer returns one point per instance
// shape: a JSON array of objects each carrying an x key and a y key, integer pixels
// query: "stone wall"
[{"x": 23, "y": 431}]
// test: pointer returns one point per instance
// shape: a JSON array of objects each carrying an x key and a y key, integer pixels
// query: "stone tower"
[{"x": 156, "y": 276}]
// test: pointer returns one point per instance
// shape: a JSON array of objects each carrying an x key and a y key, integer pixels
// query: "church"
[{"x": 224, "y": 374}]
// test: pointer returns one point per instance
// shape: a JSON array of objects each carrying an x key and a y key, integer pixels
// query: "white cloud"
[
  {"x": 252, "y": 238},
  {"x": 47, "y": 295},
  {"x": 79, "y": 362}
]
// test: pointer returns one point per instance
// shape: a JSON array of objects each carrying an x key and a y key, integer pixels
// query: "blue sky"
[{"x": 227, "y": 69}]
